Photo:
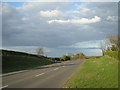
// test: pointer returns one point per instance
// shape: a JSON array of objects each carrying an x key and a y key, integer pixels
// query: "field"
[
  {"x": 14, "y": 61},
  {"x": 96, "y": 73}
]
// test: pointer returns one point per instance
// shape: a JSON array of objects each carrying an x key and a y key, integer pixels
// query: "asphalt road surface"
[{"x": 50, "y": 76}]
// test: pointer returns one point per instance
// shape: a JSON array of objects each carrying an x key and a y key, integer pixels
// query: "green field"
[
  {"x": 96, "y": 73},
  {"x": 14, "y": 62}
]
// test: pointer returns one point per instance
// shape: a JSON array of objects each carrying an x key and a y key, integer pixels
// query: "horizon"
[{"x": 100, "y": 52}]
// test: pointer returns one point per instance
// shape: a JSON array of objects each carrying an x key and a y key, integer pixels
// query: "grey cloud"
[
  {"x": 24, "y": 26},
  {"x": 11, "y": 22}
]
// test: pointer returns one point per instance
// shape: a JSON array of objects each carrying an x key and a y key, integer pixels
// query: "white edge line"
[
  {"x": 56, "y": 68},
  {"x": 4, "y": 86},
  {"x": 39, "y": 74},
  {"x": 12, "y": 73}
]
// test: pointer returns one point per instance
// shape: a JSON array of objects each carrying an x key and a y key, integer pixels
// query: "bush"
[
  {"x": 113, "y": 54},
  {"x": 66, "y": 58},
  {"x": 114, "y": 48},
  {"x": 55, "y": 59},
  {"x": 79, "y": 56}
]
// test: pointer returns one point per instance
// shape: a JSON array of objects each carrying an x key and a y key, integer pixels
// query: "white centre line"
[
  {"x": 39, "y": 74},
  {"x": 56, "y": 68},
  {"x": 4, "y": 86}
]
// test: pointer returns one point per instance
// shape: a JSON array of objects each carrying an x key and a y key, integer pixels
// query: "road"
[{"x": 50, "y": 76}]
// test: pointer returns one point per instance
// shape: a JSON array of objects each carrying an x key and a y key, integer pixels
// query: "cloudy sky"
[{"x": 58, "y": 27}]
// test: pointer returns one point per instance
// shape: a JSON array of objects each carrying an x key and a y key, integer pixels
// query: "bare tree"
[
  {"x": 110, "y": 43},
  {"x": 69, "y": 54},
  {"x": 103, "y": 47},
  {"x": 113, "y": 39},
  {"x": 39, "y": 51}
]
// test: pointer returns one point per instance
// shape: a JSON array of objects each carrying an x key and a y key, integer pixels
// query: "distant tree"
[
  {"x": 65, "y": 57},
  {"x": 108, "y": 49},
  {"x": 114, "y": 48},
  {"x": 70, "y": 54},
  {"x": 113, "y": 42},
  {"x": 103, "y": 47},
  {"x": 79, "y": 56},
  {"x": 39, "y": 51},
  {"x": 61, "y": 59}
]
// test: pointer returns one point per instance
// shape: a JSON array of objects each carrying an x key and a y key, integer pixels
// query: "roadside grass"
[
  {"x": 96, "y": 73},
  {"x": 12, "y": 63}
]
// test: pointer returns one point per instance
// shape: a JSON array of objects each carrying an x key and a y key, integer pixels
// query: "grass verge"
[
  {"x": 12, "y": 63},
  {"x": 96, "y": 73}
]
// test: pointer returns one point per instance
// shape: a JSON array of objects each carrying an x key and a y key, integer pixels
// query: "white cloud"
[
  {"x": 113, "y": 18},
  {"x": 73, "y": 12},
  {"x": 38, "y": 6},
  {"x": 85, "y": 10},
  {"x": 87, "y": 44},
  {"x": 52, "y": 13},
  {"x": 77, "y": 21},
  {"x": 25, "y": 26}
]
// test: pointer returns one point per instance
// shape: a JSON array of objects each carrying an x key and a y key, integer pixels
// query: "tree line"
[{"x": 111, "y": 44}]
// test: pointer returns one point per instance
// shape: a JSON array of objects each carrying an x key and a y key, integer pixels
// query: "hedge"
[{"x": 114, "y": 54}]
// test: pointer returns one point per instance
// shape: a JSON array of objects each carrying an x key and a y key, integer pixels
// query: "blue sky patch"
[{"x": 16, "y": 4}]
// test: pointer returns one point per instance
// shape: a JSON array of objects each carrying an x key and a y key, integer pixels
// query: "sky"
[{"x": 58, "y": 27}]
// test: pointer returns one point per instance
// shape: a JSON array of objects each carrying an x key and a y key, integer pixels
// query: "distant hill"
[
  {"x": 15, "y": 61},
  {"x": 9, "y": 52}
]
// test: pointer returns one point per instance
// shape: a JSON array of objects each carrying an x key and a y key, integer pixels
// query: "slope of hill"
[{"x": 14, "y": 61}]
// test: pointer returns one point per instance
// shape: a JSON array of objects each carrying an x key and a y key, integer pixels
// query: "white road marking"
[
  {"x": 56, "y": 68},
  {"x": 12, "y": 73},
  {"x": 4, "y": 86},
  {"x": 63, "y": 66},
  {"x": 39, "y": 74}
]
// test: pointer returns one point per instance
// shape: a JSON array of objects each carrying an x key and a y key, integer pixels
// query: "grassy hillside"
[
  {"x": 96, "y": 73},
  {"x": 14, "y": 61}
]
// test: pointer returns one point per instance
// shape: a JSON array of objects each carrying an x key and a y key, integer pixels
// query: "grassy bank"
[
  {"x": 14, "y": 61},
  {"x": 96, "y": 73}
]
